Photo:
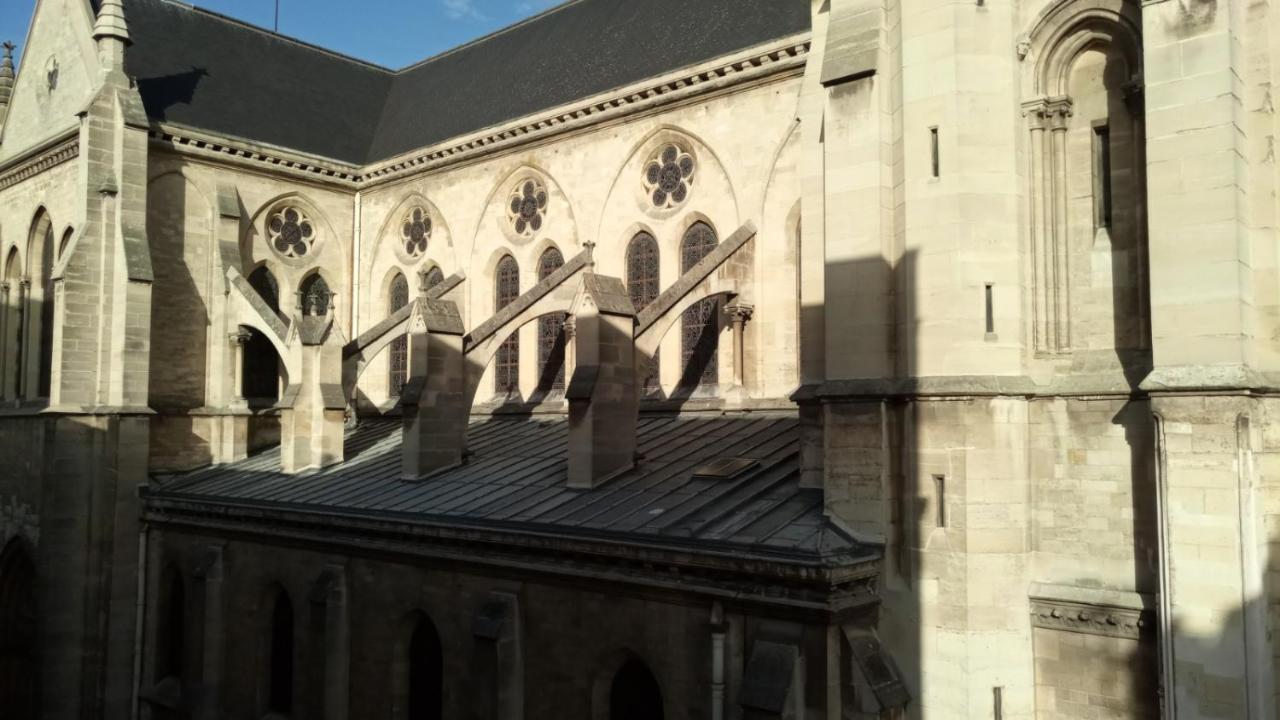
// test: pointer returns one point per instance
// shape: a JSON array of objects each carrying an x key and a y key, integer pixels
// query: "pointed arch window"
[
  {"x": 45, "y": 304},
  {"x": 280, "y": 677},
  {"x": 11, "y": 321},
  {"x": 507, "y": 289},
  {"x": 398, "y": 361},
  {"x": 426, "y": 673},
  {"x": 316, "y": 296},
  {"x": 261, "y": 381},
  {"x": 642, "y": 284},
  {"x": 172, "y": 637},
  {"x": 435, "y": 276},
  {"x": 700, "y": 324},
  {"x": 551, "y": 337},
  {"x": 18, "y": 649},
  {"x": 634, "y": 693}
]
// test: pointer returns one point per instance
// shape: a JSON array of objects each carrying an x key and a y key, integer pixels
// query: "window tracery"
[
  {"x": 699, "y": 338},
  {"x": 642, "y": 285},
  {"x": 551, "y": 335},
  {"x": 527, "y": 207},
  {"x": 415, "y": 231},
  {"x": 507, "y": 289},
  {"x": 668, "y": 176},
  {"x": 292, "y": 233},
  {"x": 398, "y": 361},
  {"x": 316, "y": 297}
]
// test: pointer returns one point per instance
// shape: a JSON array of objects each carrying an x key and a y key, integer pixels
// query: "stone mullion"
[
  {"x": 20, "y": 361},
  {"x": 5, "y": 350}
]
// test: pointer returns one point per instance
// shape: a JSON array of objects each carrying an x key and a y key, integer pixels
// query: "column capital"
[
  {"x": 239, "y": 337},
  {"x": 739, "y": 312},
  {"x": 1058, "y": 109},
  {"x": 24, "y": 282},
  {"x": 570, "y": 327}
]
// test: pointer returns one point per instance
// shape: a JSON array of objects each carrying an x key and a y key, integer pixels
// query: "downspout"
[
  {"x": 139, "y": 615},
  {"x": 717, "y": 661},
  {"x": 1168, "y": 700},
  {"x": 355, "y": 266}
]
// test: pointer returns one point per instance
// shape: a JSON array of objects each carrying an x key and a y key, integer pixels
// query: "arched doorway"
[
  {"x": 426, "y": 673},
  {"x": 634, "y": 693},
  {"x": 17, "y": 633}
]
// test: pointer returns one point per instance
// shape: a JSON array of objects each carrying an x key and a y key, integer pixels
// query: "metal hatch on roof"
[{"x": 724, "y": 468}]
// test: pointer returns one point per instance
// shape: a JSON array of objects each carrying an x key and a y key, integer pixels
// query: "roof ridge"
[
  {"x": 491, "y": 35},
  {"x": 280, "y": 36}
]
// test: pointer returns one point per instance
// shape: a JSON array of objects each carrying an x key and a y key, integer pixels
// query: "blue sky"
[{"x": 393, "y": 33}]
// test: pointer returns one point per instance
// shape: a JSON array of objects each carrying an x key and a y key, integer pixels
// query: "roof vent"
[{"x": 725, "y": 468}]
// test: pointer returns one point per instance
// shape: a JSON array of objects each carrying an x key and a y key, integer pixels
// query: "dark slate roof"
[
  {"x": 516, "y": 481},
  {"x": 207, "y": 71},
  {"x": 577, "y": 50},
  {"x": 203, "y": 70}
]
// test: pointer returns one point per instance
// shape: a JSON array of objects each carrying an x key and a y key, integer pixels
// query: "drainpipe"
[
  {"x": 717, "y": 661},
  {"x": 355, "y": 267},
  {"x": 1169, "y": 698},
  {"x": 139, "y": 616}
]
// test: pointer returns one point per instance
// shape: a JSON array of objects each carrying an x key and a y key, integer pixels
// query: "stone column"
[
  {"x": 1059, "y": 110},
  {"x": 24, "y": 321},
  {"x": 5, "y": 350},
  {"x": 739, "y": 314},
  {"x": 570, "y": 351},
  {"x": 238, "y": 339},
  {"x": 1035, "y": 112}
]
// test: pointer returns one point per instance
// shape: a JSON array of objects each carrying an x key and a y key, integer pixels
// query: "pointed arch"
[
  {"x": 551, "y": 336},
  {"x": 398, "y": 360},
  {"x": 506, "y": 289},
  {"x": 18, "y": 641},
  {"x": 37, "y": 367},
  {"x": 280, "y": 653},
  {"x": 426, "y": 672},
  {"x": 261, "y": 379},
  {"x": 171, "y": 639},
  {"x": 700, "y": 324},
  {"x": 314, "y": 294},
  {"x": 644, "y": 283},
  {"x": 634, "y": 693},
  {"x": 11, "y": 316}
]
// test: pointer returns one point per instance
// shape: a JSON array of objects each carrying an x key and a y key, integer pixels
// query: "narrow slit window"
[
  {"x": 934, "y": 157},
  {"x": 991, "y": 312},
  {"x": 997, "y": 698},
  {"x": 1102, "y": 176},
  {"x": 940, "y": 493}
]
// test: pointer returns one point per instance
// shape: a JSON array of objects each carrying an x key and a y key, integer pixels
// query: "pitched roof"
[
  {"x": 516, "y": 480},
  {"x": 204, "y": 70}
]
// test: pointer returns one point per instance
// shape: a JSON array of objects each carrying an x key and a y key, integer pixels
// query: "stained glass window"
[
  {"x": 292, "y": 233},
  {"x": 415, "y": 231},
  {"x": 700, "y": 325},
  {"x": 668, "y": 176},
  {"x": 551, "y": 338},
  {"x": 316, "y": 297},
  {"x": 507, "y": 367},
  {"x": 528, "y": 206},
  {"x": 642, "y": 283},
  {"x": 398, "y": 362},
  {"x": 435, "y": 276}
]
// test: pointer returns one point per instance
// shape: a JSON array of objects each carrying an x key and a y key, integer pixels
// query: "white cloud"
[{"x": 462, "y": 10}]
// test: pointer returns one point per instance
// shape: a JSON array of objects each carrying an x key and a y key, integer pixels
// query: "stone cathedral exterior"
[{"x": 714, "y": 360}]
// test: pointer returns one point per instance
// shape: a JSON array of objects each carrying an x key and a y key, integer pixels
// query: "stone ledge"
[{"x": 1092, "y": 611}]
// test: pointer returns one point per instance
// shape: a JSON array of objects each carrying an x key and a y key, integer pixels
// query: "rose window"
[
  {"x": 528, "y": 206},
  {"x": 292, "y": 234},
  {"x": 416, "y": 231},
  {"x": 668, "y": 176}
]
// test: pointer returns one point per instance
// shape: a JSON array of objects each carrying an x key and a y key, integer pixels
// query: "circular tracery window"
[
  {"x": 415, "y": 231},
  {"x": 528, "y": 206},
  {"x": 292, "y": 233},
  {"x": 668, "y": 176}
]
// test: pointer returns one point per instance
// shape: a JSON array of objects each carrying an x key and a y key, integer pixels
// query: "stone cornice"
[
  {"x": 827, "y": 585},
  {"x": 1091, "y": 611},
  {"x": 760, "y": 64},
  {"x": 64, "y": 148}
]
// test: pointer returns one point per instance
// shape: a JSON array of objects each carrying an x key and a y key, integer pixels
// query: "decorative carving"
[
  {"x": 292, "y": 233},
  {"x": 739, "y": 312},
  {"x": 1024, "y": 47},
  {"x": 47, "y": 160},
  {"x": 668, "y": 176},
  {"x": 239, "y": 338},
  {"x": 415, "y": 231},
  {"x": 1111, "y": 621},
  {"x": 527, "y": 207}
]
